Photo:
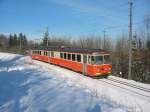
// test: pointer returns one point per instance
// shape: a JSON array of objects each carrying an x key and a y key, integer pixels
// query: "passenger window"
[
  {"x": 73, "y": 57},
  {"x": 64, "y": 55},
  {"x": 45, "y": 53},
  {"x": 78, "y": 58},
  {"x": 52, "y": 54},
  {"x": 48, "y": 53},
  {"x": 89, "y": 59},
  {"x": 61, "y": 55},
  {"x": 69, "y": 56}
]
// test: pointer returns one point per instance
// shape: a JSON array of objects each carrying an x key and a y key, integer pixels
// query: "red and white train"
[{"x": 90, "y": 62}]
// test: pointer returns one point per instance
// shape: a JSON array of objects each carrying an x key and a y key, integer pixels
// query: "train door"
[
  {"x": 84, "y": 64},
  {"x": 49, "y": 56}
]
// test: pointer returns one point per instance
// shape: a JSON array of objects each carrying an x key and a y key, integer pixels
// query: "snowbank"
[{"x": 7, "y": 56}]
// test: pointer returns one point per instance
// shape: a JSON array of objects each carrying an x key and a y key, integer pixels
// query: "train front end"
[{"x": 101, "y": 65}]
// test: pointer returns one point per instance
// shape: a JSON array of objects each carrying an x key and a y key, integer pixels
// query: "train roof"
[{"x": 75, "y": 50}]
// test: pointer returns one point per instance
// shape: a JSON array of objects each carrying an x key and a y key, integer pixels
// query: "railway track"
[
  {"x": 130, "y": 84},
  {"x": 128, "y": 87}
]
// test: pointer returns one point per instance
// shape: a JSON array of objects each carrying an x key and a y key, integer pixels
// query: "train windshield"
[
  {"x": 107, "y": 59},
  {"x": 98, "y": 60}
]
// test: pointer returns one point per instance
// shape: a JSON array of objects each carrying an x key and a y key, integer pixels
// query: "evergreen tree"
[
  {"x": 20, "y": 39},
  {"x": 10, "y": 40},
  {"x": 24, "y": 41},
  {"x": 15, "y": 40},
  {"x": 46, "y": 38}
]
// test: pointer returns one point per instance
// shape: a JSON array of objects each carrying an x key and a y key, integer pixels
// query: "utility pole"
[
  {"x": 147, "y": 28},
  {"x": 20, "y": 43},
  {"x": 148, "y": 45},
  {"x": 104, "y": 39},
  {"x": 130, "y": 40},
  {"x": 47, "y": 36}
]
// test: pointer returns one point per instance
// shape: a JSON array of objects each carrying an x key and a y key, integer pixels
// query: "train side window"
[
  {"x": 61, "y": 55},
  {"x": 52, "y": 54},
  {"x": 73, "y": 57},
  {"x": 48, "y": 53},
  {"x": 45, "y": 53},
  {"x": 65, "y": 56},
  {"x": 78, "y": 58},
  {"x": 92, "y": 60},
  {"x": 69, "y": 56}
]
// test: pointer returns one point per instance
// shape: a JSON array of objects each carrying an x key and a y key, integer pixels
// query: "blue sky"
[{"x": 69, "y": 17}]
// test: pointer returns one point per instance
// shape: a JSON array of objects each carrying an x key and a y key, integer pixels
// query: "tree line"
[
  {"x": 13, "y": 43},
  {"x": 19, "y": 41}
]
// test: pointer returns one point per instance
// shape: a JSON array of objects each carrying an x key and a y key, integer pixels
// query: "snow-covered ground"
[{"x": 33, "y": 86}]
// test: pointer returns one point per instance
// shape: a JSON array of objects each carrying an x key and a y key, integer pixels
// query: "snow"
[
  {"x": 101, "y": 89},
  {"x": 33, "y": 86}
]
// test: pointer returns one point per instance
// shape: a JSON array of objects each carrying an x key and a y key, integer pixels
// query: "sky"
[{"x": 73, "y": 18}]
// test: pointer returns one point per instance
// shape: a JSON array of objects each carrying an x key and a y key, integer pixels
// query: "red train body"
[{"x": 90, "y": 62}]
